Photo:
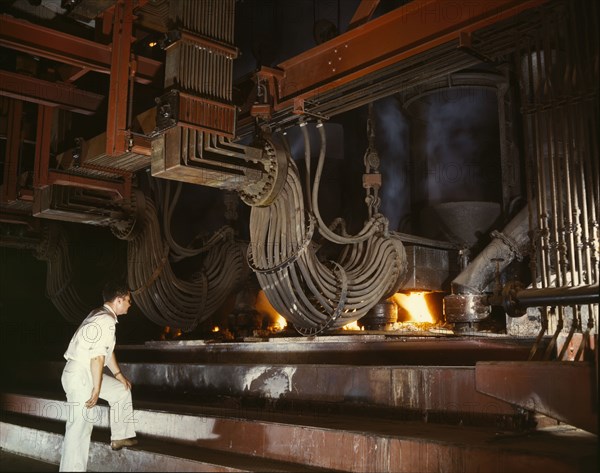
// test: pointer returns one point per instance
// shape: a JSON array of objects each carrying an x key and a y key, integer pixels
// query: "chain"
[{"x": 372, "y": 177}]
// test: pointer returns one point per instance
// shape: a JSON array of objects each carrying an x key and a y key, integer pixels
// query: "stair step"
[
  {"x": 42, "y": 439},
  {"x": 447, "y": 390},
  {"x": 316, "y": 439}
]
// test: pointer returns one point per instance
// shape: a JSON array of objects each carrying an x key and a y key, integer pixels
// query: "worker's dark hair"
[{"x": 114, "y": 289}]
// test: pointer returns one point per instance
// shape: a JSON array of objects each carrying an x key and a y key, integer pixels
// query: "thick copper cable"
[{"x": 312, "y": 294}]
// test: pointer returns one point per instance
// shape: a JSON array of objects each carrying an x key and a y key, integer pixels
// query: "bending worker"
[{"x": 90, "y": 349}]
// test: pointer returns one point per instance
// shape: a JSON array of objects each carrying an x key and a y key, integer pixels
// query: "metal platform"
[{"x": 300, "y": 404}]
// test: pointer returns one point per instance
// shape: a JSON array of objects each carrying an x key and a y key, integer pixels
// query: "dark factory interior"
[{"x": 359, "y": 235}]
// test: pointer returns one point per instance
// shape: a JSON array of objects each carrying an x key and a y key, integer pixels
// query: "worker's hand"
[
  {"x": 124, "y": 380},
  {"x": 92, "y": 401}
]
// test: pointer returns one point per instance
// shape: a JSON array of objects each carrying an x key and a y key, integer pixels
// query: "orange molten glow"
[
  {"x": 280, "y": 322},
  {"x": 263, "y": 305},
  {"x": 351, "y": 326},
  {"x": 215, "y": 329},
  {"x": 415, "y": 304}
]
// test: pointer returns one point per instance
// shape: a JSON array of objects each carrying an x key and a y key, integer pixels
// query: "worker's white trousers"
[{"x": 77, "y": 383}]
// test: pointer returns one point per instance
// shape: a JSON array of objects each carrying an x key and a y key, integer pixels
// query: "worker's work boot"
[{"x": 119, "y": 444}]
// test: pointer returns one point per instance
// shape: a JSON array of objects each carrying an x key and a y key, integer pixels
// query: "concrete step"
[
  {"x": 420, "y": 377},
  {"x": 441, "y": 394},
  {"x": 314, "y": 439},
  {"x": 41, "y": 439}
]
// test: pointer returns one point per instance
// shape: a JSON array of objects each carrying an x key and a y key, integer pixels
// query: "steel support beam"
[
  {"x": 12, "y": 153},
  {"x": 363, "y": 13},
  {"x": 405, "y": 32},
  {"x": 42, "y": 146},
  {"x": 46, "y": 42},
  {"x": 30, "y": 89},
  {"x": 116, "y": 125},
  {"x": 565, "y": 391}
]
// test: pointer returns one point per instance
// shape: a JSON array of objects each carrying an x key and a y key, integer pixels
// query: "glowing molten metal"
[
  {"x": 415, "y": 304},
  {"x": 263, "y": 305},
  {"x": 352, "y": 326}
]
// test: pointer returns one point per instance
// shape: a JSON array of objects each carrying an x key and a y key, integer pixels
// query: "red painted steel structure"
[
  {"x": 42, "y": 146},
  {"x": 46, "y": 42},
  {"x": 565, "y": 390},
  {"x": 367, "y": 47},
  {"x": 363, "y": 13},
  {"x": 412, "y": 29},
  {"x": 13, "y": 148},
  {"x": 32, "y": 89},
  {"x": 116, "y": 125}
]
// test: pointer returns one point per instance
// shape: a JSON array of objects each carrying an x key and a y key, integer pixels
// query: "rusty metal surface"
[
  {"x": 42, "y": 146},
  {"x": 52, "y": 44},
  {"x": 466, "y": 308},
  {"x": 93, "y": 153},
  {"x": 304, "y": 373},
  {"x": 116, "y": 122},
  {"x": 31, "y": 89},
  {"x": 565, "y": 391},
  {"x": 13, "y": 144},
  {"x": 380, "y": 445},
  {"x": 398, "y": 35},
  {"x": 178, "y": 108},
  {"x": 121, "y": 188},
  {"x": 363, "y": 13}
]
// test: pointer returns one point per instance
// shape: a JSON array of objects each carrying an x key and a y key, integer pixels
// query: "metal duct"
[{"x": 512, "y": 243}]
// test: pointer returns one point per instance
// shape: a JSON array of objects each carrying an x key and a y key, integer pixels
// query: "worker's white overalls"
[{"x": 94, "y": 337}]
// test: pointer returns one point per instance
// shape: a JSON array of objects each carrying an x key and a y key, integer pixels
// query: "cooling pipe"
[{"x": 516, "y": 298}]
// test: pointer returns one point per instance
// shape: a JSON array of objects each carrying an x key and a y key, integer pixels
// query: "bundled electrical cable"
[
  {"x": 167, "y": 299},
  {"x": 312, "y": 294},
  {"x": 54, "y": 249}
]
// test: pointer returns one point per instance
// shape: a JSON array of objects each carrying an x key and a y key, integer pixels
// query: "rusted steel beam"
[
  {"x": 12, "y": 153},
  {"x": 363, "y": 13},
  {"x": 71, "y": 73},
  {"x": 42, "y": 146},
  {"x": 563, "y": 390},
  {"x": 121, "y": 189},
  {"x": 30, "y": 89},
  {"x": 116, "y": 124},
  {"x": 46, "y": 42},
  {"x": 409, "y": 30}
]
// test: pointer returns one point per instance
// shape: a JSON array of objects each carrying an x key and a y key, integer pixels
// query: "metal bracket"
[{"x": 300, "y": 109}]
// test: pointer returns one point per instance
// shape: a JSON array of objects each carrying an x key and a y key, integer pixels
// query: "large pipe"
[
  {"x": 512, "y": 243},
  {"x": 559, "y": 296}
]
